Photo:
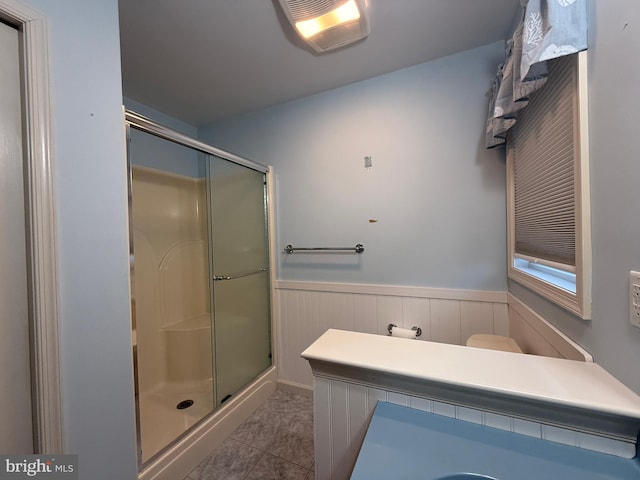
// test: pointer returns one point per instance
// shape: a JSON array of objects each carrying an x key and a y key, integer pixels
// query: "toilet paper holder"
[{"x": 418, "y": 330}]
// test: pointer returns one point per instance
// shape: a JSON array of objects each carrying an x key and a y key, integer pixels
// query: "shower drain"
[{"x": 184, "y": 404}]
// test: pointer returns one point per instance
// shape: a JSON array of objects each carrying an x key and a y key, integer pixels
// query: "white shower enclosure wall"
[{"x": 200, "y": 280}]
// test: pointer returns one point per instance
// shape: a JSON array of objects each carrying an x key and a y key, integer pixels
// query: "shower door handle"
[{"x": 217, "y": 278}]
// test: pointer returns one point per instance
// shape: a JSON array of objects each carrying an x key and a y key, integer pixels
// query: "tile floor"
[{"x": 275, "y": 443}]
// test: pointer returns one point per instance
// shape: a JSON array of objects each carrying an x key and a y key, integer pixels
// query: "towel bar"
[{"x": 359, "y": 248}]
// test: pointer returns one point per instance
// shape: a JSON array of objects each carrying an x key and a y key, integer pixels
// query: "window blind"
[{"x": 543, "y": 161}]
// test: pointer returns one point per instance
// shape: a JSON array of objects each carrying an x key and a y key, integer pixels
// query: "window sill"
[
  {"x": 563, "y": 280},
  {"x": 565, "y": 298}
]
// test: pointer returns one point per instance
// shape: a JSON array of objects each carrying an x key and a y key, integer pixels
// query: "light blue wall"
[
  {"x": 150, "y": 151},
  {"x": 155, "y": 152},
  {"x": 91, "y": 214},
  {"x": 614, "y": 76},
  {"x": 438, "y": 196},
  {"x": 161, "y": 118}
]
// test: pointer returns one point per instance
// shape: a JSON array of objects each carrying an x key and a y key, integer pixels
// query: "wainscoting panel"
[
  {"x": 307, "y": 310},
  {"x": 446, "y": 321},
  {"x": 537, "y": 336}
]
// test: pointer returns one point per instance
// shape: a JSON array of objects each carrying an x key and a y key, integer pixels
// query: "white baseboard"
[{"x": 296, "y": 388}]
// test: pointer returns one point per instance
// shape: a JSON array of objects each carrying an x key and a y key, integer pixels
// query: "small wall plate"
[{"x": 634, "y": 298}]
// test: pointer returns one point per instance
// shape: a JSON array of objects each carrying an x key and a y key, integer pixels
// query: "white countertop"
[{"x": 559, "y": 381}]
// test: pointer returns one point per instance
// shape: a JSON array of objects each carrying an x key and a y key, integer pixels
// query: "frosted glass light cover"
[{"x": 325, "y": 26}]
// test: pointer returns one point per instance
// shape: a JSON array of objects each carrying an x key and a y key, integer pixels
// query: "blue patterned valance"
[{"x": 549, "y": 29}]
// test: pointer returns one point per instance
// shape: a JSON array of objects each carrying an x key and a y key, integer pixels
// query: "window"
[{"x": 548, "y": 190}]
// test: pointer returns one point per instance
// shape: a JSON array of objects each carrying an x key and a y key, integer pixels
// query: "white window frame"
[{"x": 579, "y": 302}]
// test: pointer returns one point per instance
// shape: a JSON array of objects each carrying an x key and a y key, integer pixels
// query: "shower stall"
[{"x": 200, "y": 280}]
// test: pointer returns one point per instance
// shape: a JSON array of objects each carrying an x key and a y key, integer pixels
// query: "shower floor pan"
[
  {"x": 404, "y": 443},
  {"x": 161, "y": 421}
]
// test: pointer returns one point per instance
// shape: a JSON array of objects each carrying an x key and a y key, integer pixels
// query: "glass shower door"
[
  {"x": 239, "y": 262},
  {"x": 170, "y": 289}
]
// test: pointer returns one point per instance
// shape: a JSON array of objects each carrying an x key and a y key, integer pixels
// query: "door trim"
[{"x": 45, "y": 363}]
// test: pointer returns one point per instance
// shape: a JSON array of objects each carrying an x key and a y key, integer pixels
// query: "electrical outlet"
[{"x": 634, "y": 298}]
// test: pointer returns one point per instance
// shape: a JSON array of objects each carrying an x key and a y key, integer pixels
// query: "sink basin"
[{"x": 465, "y": 476}]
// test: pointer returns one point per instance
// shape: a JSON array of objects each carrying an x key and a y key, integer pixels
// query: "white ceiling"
[{"x": 203, "y": 60}]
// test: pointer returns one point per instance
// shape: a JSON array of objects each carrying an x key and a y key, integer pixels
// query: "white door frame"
[{"x": 47, "y": 403}]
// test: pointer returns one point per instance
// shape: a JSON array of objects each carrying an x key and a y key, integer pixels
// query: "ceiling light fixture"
[{"x": 328, "y": 24}]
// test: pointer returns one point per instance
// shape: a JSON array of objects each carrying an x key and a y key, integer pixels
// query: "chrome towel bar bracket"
[{"x": 359, "y": 248}]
